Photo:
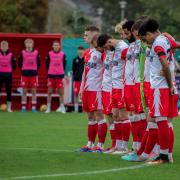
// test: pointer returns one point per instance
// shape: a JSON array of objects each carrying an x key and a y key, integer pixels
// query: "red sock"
[
  {"x": 126, "y": 130},
  {"x": 102, "y": 131},
  {"x": 118, "y": 130},
  {"x": 113, "y": 135},
  {"x": 163, "y": 135},
  {"x": 151, "y": 140},
  {"x": 143, "y": 143},
  {"x": 171, "y": 142},
  {"x": 141, "y": 129},
  {"x": 133, "y": 130},
  {"x": 92, "y": 130}
]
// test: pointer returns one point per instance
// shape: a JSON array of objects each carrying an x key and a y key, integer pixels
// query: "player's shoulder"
[
  {"x": 122, "y": 44},
  {"x": 35, "y": 51},
  {"x": 161, "y": 40},
  {"x": 87, "y": 51},
  {"x": 96, "y": 54},
  {"x": 171, "y": 39}
]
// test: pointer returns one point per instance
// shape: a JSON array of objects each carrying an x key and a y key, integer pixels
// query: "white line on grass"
[
  {"x": 79, "y": 173},
  {"x": 67, "y": 174}
]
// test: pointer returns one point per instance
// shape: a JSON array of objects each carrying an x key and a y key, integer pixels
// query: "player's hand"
[
  {"x": 148, "y": 117},
  {"x": 80, "y": 95},
  {"x": 172, "y": 91}
]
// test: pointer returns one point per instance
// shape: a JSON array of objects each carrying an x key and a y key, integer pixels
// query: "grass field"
[{"x": 41, "y": 146}]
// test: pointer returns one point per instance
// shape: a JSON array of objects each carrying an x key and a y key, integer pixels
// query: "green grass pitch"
[{"x": 41, "y": 146}]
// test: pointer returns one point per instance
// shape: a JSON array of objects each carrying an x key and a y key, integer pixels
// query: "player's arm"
[
  {"x": 13, "y": 62},
  {"x": 38, "y": 61},
  {"x": 74, "y": 66},
  {"x": 177, "y": 44},
  {"x": 20, "y": 60},
  {"x": 64, "y": 62},
  {"x": 47, "y": 62},
  {"x": 82, "y": 83},
  {"x": 165, "y": 66}
]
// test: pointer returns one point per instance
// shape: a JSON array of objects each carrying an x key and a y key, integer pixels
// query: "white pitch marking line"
[
  {"x": 67, "y": 174},
  {"x": 79, "y": 173}
]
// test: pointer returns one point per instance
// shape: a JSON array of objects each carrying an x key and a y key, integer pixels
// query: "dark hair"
[
  {"x": 80, "y": 48},
  {"x": 92, "y": 28},
  {"x": 150, "y": 25},
  {"x": 102, "y": 39},
  {"x": 128, "y": 25},
  {"x": 136, "y": 26},
  {"x": 142, "y": 17}
]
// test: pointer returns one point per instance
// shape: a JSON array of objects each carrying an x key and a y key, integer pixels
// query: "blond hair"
[
  {"x": 4, "y": 42},
  {"x": 28, "y": 40},
  {"x": 118, "y": 26}
]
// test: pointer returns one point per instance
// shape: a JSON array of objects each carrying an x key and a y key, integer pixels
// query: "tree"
[
  {"x": 165, "y": 11},
  {"x": 23, "y": 16}
]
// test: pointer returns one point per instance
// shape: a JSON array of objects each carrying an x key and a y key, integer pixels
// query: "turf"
[{"x": 44, "y": 144}]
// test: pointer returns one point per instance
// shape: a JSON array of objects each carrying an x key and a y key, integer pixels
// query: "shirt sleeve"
[
  {"x": 171, "y": 40},
  {"x": 124, "y": 53},
  {"x": 160, "y": 51}
]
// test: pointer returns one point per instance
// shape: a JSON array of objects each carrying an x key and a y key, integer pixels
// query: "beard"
[{"x": 132, "y": 39}]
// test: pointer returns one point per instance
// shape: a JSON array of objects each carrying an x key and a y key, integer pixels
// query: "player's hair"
[
  {"x": 94, "y": 40},
  {"x": 150, "y": 25},
  {"x": 56, "y": 41},
  {"x": 136, "y": 26},
  {"x": 128, "y": 25},
  {"x": 81, "y": 48},
  {"x": 118, "y": 26},
  {"x": 142, "y": 17},
  {"x": 4, "y": 42},
  {"x": 92, "y": 29},
  {"x": 102, "y": 39},
  {"x": 28, "y": 40}
]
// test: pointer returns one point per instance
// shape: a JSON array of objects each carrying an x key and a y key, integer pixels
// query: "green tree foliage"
[
  {"x": 165, "y": 11},
  {"x": 23, "y": 15}
]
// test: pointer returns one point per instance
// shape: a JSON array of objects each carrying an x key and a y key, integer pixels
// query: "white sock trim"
[
  {"x": 34, "y": 102},
  {"x": 152, "y": 125},
  {"x": 158, "y": 119},
  {"x": 103, "y": 121},
  {"x": 143, "y": 116},
  {"x": 117, "y": 122},
  {"x": 137, "y": 117},
  {"x": 126, "y": 121},
  {"x": 92, "y": 122},
  {"x": 131, "y": 118},
  {"x": 164, "y": 151}
]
